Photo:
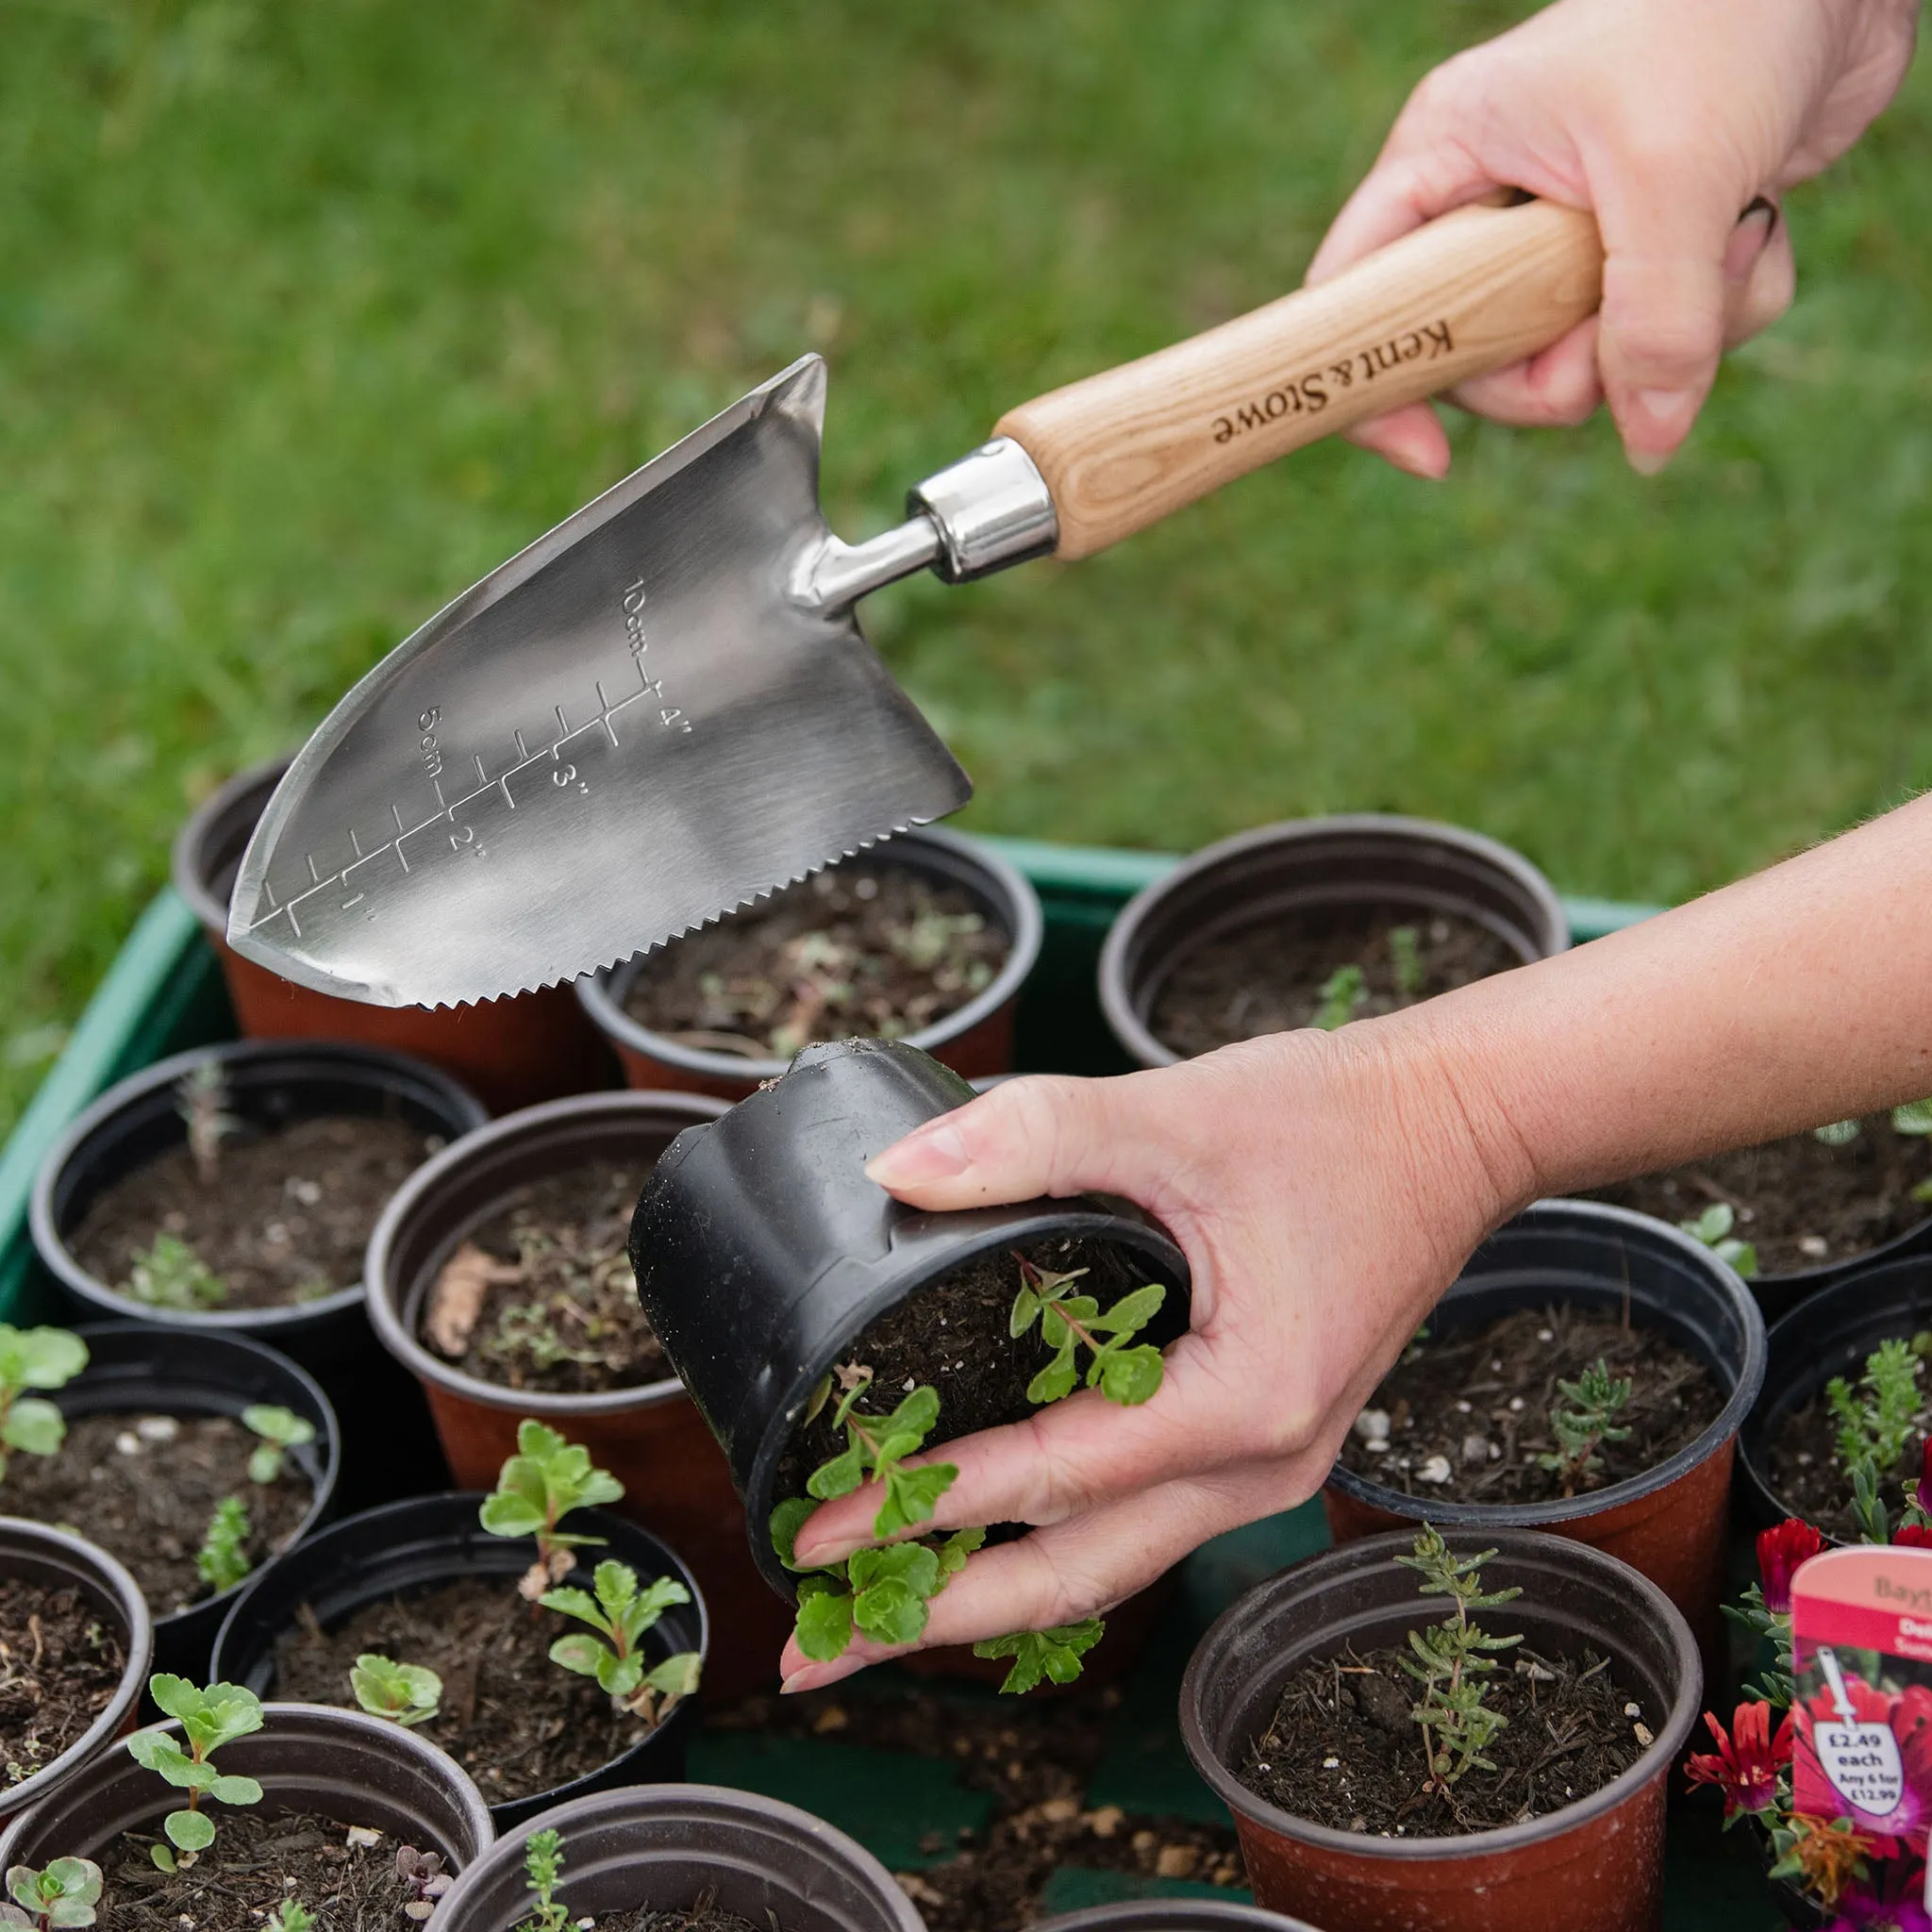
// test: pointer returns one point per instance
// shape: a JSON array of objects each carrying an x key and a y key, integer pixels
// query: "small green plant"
[
  {"x": 201, "y": 1098},
  {"x": 406, "y": 1694},
  {"x": 171, "y": 1275},
  {"x": 210, "y": 1719},
  {"x": 1914, "y": 1117},
  {"x": 63, "y": 1893},
  {"x": 1405, "y": 953},
  {"x": 1069, "y": 1321},
  {"x": 875, "y": 1450},
  {"x": 1054, "y": 1655},
  {"x": 1451, "y": 1660},
  {"x": 280, "y": 1429},
  {"x": 1583, "y": 1419},
  {"x": 1875, "y": 1419},
  {"x": 34, "y": 1358},
  {"x": 1713, "y": 1228},
  {"x": 538, "y": 1487},
  {"x": 1836, "y": 1133},
  {"x": 291, "y": 1915},
  {"x": 1344, "y": 992},
  {"x": 543, "y": 1874},
  {"x": 619, "y": 1613},
  {"x": 223, "y": 1559},
  {"x": 424, "y": 1879}
]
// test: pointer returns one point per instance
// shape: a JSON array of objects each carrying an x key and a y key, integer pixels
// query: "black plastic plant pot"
[
  {"x": 135, "y": 1369},
  {"x": 410, "y": 1548},
  {"x": 666, "y": 1847},
  {"x": 353, "y": 1768},
  {"x": 1780, "y": 1296},
  {"x": 761, "y": 1249},
  {"x": 1173, "y": 1915},
  {"x": 51, "y": 1560},
  {"x": 1830, "y": 1334},
  {"x": 1315, "y": 866},
  {"x": 1670, "y": 1521},
  {"x": 1595, "y": 1865}
]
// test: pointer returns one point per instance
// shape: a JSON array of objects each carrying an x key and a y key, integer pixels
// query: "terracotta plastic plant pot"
[
  {"x": 763, "y": 1250},
  {"x": 1173, "y": 1915},
  {"x": 415, "y": 1547},
  {"x": 651, "y": 1438},
  {"x": 510, "y": 1051},
  {"x": 55, "y": 1560},
  {"x": 1830, "y": 1334},
  {"x": 353, "y": 1768},
  {"x": 1669, "y": 1522},
  {"x": 976, "y": 1041},
  {"x": 136, "y": 1370},
  {"x": 1593, "y": 1866},
  {"x": 1310, "y": 865},
  {"x": 666, "y": 1845}
]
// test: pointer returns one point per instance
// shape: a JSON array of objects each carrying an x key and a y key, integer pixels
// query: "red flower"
[
  {"x": 1923, "y": 1491},
  {"x": 1745, "y": 1764},
  {"x": 1913, "y": 1536},
  {"x": 1779, "y": 1552}
]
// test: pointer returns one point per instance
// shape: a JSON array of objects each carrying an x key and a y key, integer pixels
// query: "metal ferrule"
[{"x": 992, "y": 509}]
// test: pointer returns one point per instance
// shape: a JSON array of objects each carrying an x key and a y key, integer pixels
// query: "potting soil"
[
  {"x": 284, "y": 1220},
  {"x": 61, "y": 1663},
  {"x": 517, "y": 1723},
  {"x": 1801, "y": 1202},
  {"x": 702, "y": 1915},
  {"x": 1267, "y": 977},
  {"x": 1465, "y": 1416},
  {"x": 260, "y": 1859},
  {"x": 1343, "y": 1749},
  {"x": 863, "y": 950},
  {"x": 1800, "y": 1459},
  {"x": 144, "y": 1485},
  {"x": 542, "y": 1295}
]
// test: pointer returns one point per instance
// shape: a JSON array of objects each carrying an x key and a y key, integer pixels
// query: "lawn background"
[{"x": 310, "y": 314}]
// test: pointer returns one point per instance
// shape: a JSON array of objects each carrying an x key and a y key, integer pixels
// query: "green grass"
[{"x": 310, "y": 314}]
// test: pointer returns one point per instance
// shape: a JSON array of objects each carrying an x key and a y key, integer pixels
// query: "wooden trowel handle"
[{"x": 1477, "y": 290}]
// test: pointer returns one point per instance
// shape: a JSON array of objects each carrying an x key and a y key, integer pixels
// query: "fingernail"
[
  {"x": 1660, "y": 416},
  {"x": 934, "y": 1153},
  {"x": 1748, "y": 238},
  {"x": 817, "y": 1677}
]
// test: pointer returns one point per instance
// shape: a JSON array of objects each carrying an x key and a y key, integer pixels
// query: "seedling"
[
  {"x": 1452, "y": 1659},
  {"x": 406, "y": 1694},
  {"x": 1344, "y": 992},
  {"x": 64, "y": 1893},
  {"x": 1054, "y": 1654},
  {"x": 543, "y": 1874},
  {"x": 1875, "y": 1419},
  {"x": 425, "y": 1880},
  {"x": 1406, "y": 955},
  {"x": 210, "y": 1719},
  {"x": 620, "y": 1612},
  {"x": 538, "y": 1486},
  {"x": 201, "y": 1098},
  {"x": 875, "y": 1450},
  {"x": 1582, "y": 1421},
  {"x": 291, "y": 1915},
  {"x": 171, "y": 1275},
  {"x": 34, "y": 1358},
  {"x": 885, "y": 1593},
  {"x": 280, "y": 1429},
  {"x": 1914, "y": 1117},
  {"x": 1069, "y": 1320},
  {"x": 223, "y": 1559},
  {"x": 1713, "y": 1228}
]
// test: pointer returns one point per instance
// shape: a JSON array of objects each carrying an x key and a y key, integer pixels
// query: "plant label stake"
[{"x": 665, "y": 707}]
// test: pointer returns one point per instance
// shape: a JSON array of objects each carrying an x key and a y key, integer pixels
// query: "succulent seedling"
[
  {"x": 1405, "y": 955},
  {"x": 424, "y": 1879},
  {"x": 223, "y": 1559},
  {"x": 171, "y": 1275},
  {"x": 34, "y": 1358},
  {"x": 406, "y": 1694},
  {"x": 1451, "y": 1660},
  {"x": 62, "y": 1894},
  {"x": 619, "y": 1613},
  {"x": 1054, "y": 1655},
  {"x": 1875, "y": 1420},
  {"x": 210, "y": 1719},
  {"x": 280, "y": 1429},
  {"x": 1344, "y": 992},
  {"x": 1713, "y": 1228},
  {"x": 291, "y": 1915},
  {"x": 875, "y": 1450},
  {"x": 538, "y": 1487},
  {"x": 1582, "y": 1420},
  {"x": 201, "y": 1098},
  {"x": 1069, "y": 1321},
  {"x": 543, "y": 1875}
]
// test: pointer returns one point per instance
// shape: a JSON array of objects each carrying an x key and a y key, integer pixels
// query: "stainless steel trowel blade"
[{"x": 631, "y": 728}]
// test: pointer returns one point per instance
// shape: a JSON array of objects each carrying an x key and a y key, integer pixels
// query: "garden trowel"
[{"x": 665, "y": 709}]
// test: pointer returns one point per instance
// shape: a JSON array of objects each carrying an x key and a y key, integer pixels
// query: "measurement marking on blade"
[
  {"x": 355, "y": 841},
  {"x": 482, "y": 774},
  {"x": 522, "y": 749},
  {"x": 313, "y": 872},
  {"x": 356, "y": 901}
]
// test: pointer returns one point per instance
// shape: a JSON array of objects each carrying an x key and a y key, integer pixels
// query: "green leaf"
[
  {"x": 537, "y": 1440},
  {"x": 676, "y": 1676},
  {"x": 1836, "y": 1133},
  {"x": 1054, "y": 1654},
  {"x": 952, "y": 1554},
  {"x": 232, "y": 1788},
  {"x": 189, "y": 1831},
  {"x": 281, "y": 1426},
  {"x": 510, "y": 1512},
  {"x": 663, "y": 1593},
  {"x": 619, "y": 1676},
  {"x": 825, "y": 1624},
  {"x": 1132, "y": 1312},
  {"x": 1025, "y": 1312},
  {"x": 915, "y": 1415},
  {"x": 912, "y": 1564},
  {"x": 579, "y": 1653},
  {"x": 616, "y": 1585},
  {"x": 890, "y": 1612},
  {"x": 265, "y": 1464},
  {"x": 1127, "y": 1376},
  {"x": 1055, "y": 1382},
  {"x": 839, "y": 1476},
  {"x": 576, "y": 1603},
  {"x": 911, "y": 1495},
  {"x": 1914, "y": 1117},
  {"x": 33, "y": 1426},
  {"x": 173, "y": 1696},
  {"x": 38, "y": 1357},
  {"x": 788, "y": 1519},
  {"x": 154, "y": 1750},
  {"x": 227, "y": 1711},
  {"x": 1741, "y": 1255},
  {"x": 163, "y": 1858},
  {"x": 74, "y": 1878}
]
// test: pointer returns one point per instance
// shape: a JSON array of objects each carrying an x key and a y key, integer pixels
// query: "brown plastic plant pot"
[
  {"x": 56, "y": 1561},
  {"x": 1592, "y": 1866},
  {"x": 665, "y": 1846},
  {"x": 1313, "y": 865},
  {"x": 977, "y": 1041},
  {"x": 650, "y": 1438},
  {"x": 508, "y": 1052},
  {"x": 1670, "y": 1521},
  {"x": 353, "y": 1768}
]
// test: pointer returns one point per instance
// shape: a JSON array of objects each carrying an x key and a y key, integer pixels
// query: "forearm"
[{"x": 1798, "y": 996}]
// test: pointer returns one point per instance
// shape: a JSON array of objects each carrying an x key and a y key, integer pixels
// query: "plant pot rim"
[
  {"x": 602, "y": 992},
  {"x": 1912, "y": 1244},
  {"x": 1607, "y": 1571},
  {"x": 1173, "y": 1915},
  {"x": 107, "y": 1569},
  {"x": 1729, "y": 1420},
  {"x": 184, "y": 858},
  {"x": 1133, "y": 1032},
  {"x": 466, "y": 1111},
  {"x": 385, "y": 1318}
]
